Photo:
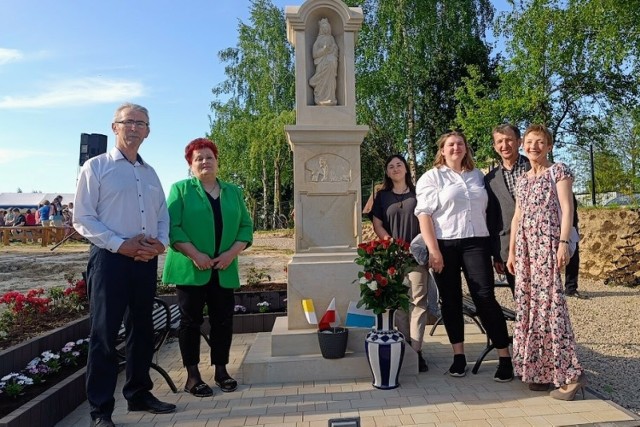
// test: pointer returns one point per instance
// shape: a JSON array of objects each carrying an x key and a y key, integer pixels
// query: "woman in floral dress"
[{"x": 544, "y": 347}]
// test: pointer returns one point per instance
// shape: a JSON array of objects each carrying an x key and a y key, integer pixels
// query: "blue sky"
[{"x": 66, "y": 65}]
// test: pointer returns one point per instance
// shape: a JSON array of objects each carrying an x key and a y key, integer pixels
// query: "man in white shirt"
[{"x": 121, "y": 209}]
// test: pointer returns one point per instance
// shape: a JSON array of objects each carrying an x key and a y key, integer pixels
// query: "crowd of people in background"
[{"x": 47, "y": 214}]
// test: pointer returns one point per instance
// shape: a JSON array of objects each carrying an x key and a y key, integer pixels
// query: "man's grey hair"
[{"x": 129, "y": 105}]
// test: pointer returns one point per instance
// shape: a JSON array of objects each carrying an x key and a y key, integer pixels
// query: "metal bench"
[
  {"x": 470, "y": 307},
  {"x": 466, "y": 311},
  {"x": 165, "y": 317},
  {"x": 469, "y": 310}
]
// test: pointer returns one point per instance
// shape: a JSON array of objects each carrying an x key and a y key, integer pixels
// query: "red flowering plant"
[
  {"x": 24, "y": 306},
  {"x": 27, "y": 313},
  {"x": 72, "y": 298},
  {"x": 29, "y": 304},
  {"x": 383, "y": 282}
]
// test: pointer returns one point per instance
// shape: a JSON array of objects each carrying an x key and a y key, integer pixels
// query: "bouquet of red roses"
[{"x": 383, "y": 280}]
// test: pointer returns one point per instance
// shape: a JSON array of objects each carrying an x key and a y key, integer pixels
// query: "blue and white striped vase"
[{"x": 384, "y": 346}]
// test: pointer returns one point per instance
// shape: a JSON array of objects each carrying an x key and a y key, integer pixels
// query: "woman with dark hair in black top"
[{"x": 393, "y": 216}]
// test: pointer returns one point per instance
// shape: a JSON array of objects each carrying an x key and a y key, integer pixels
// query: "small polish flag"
[
  {"x": 309, "y": 311},
  {"x": 331, "y": 319}
]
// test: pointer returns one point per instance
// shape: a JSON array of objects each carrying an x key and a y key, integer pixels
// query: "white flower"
[
  {"x": 48, "y": 355},
  {"x": 34, "y": 362},
  {"x": 19, "y": 379},
  {"x": 373, "y": 285},
  {"x": 9, "y": 376},
  {"x": 363, "y": 280}
]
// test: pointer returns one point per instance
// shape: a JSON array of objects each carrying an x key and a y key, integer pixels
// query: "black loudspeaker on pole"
[{"x": 91, "y": 144}]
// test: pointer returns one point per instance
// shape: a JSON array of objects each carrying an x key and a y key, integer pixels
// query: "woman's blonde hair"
[{"x": 467, "y": 161}]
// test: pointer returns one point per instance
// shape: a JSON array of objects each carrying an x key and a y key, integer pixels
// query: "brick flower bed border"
[
  {"x": 59, "y": 400},
  {"x": 52, "y": 405}
]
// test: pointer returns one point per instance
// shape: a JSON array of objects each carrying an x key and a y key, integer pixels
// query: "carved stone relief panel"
[{"x": 327, "y": 167}]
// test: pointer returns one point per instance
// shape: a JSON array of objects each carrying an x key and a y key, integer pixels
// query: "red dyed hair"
[{"x": 199, "y": 144}]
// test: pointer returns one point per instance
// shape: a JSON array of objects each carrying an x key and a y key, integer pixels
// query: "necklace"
[
  {"x": 212, "y": 191},
  {"x": 400, "y": 196}
]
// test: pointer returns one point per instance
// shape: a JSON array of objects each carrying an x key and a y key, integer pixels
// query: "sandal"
[
  {"x": 227, "y": 385},
  {"x": 200, "y": 390}
]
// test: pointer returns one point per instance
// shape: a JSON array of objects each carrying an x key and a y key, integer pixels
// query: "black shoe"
[
  {"x": 200, "y": 390},
  {"x": 102, "y": 422},
  {"x": 227, "y": 385},
  {"x": 459, "y": 366},
  {"x": 504, "y": 373},
  {"x": 422, "y": 364},
  {"x": 576, "y": 294},
  {"x": 148, "y": 402}
]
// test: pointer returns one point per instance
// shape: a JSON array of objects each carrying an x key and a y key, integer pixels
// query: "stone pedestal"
[
  {"x": 326, "y": 165},
  {"x": 328, "y": 220}
]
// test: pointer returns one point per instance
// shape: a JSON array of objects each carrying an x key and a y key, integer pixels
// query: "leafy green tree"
[
  {"x": 557, "y": 73},
  {"x": 251, "y": 107},
  {"x": 410, "y": 58}
]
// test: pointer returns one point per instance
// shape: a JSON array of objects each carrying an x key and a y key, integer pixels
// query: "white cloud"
[
  {"x": 9, "y": 55},
  {"x": 70, "y": 93}
]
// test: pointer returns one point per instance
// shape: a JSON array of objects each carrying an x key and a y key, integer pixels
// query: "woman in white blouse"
[{"x": 451, "y": 209}]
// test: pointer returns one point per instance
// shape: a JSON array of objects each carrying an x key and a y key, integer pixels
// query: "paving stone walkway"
[{"x": 429, "y": 399}]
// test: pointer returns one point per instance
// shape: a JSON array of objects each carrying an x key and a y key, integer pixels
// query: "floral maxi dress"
[{"x": 544, "y": 347}]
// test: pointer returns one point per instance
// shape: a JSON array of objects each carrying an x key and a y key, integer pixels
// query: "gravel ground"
[{"x": 607, "y": 328}]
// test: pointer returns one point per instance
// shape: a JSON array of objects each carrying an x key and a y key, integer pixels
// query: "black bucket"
[{"x": 333, "y": 342}]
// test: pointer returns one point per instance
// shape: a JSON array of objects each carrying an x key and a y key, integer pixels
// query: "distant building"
[{"x": 31, "y": 200}]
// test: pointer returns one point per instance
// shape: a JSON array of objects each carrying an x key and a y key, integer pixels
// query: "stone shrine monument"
[
  {"x": 328, "y": 225},
  {"x": 326, "y": 158}
]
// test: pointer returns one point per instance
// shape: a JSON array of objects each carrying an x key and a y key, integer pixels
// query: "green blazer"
[{"x": 191, "y": 220}]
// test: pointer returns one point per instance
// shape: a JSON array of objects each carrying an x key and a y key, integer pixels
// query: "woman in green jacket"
[{"x": 209, "y": 227}]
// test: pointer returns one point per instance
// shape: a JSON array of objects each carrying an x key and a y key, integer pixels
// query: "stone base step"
[{"x": 298, "y": 358}]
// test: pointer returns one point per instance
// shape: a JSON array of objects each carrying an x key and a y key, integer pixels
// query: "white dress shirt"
[
  {"x": 456, "y": 202},
  {"x": 116, "y": 200}
]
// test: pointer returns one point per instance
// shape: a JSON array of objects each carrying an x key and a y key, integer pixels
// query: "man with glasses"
[{"x": 120, "y": 208}]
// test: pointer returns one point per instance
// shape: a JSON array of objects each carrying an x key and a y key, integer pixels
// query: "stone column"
[{"x": 326, "y": 155}]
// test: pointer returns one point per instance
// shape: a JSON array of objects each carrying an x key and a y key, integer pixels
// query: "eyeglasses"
[{"x": 137, "y": 123}]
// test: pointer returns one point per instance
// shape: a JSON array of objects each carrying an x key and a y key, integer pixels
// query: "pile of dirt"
[{"x": 610, "y": 245}]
